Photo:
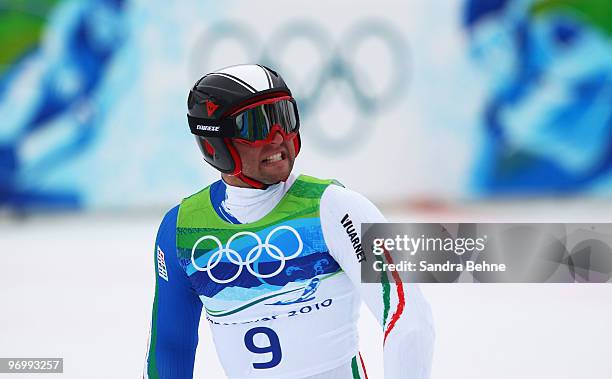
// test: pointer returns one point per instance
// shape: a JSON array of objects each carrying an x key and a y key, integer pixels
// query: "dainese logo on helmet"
[{"x": 208, "y": 128}]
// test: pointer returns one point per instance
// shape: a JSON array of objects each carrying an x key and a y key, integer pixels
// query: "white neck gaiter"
[{"x": 248, "y": 205}]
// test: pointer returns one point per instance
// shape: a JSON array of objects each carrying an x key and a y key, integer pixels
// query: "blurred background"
[{"x": 456, "y": 110}]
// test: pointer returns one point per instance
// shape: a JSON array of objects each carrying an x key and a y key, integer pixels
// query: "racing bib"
[{"x": 278, "y": 304}]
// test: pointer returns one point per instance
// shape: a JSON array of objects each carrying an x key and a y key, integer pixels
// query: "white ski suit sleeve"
[{"x": 400, "y": 308}]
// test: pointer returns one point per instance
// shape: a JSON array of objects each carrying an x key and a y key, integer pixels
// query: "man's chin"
[
  {"x": 276, "y": 173},
  {"x": 275, "y": 177}
]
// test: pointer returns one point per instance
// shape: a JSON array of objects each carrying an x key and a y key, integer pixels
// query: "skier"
[{"x": 272, "y": 257}]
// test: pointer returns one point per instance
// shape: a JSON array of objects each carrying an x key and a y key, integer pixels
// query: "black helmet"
[{"x": 214, "y": 101}]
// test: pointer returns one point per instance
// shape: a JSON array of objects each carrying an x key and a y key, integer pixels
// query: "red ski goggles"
[
  {"x": 254, "y": 124},
  {"x": 258, "y": 123}
]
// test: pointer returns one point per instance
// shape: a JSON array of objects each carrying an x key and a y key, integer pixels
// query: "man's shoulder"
[
  {"x": 169, "y": 219},
  {"x": 315, "y": 180},
  {"x": 338, "y": 191},
  {"x": 335, "y": 191},
  {"x": 338, "y": 196}
]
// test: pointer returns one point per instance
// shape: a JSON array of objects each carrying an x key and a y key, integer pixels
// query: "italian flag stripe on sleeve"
[
  {"x": 358, "y": 368},
  {"x": 401, "y": 301},
  {"x": 386, "y": 294}
]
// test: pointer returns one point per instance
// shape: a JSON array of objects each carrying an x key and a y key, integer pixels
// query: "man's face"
[{"x": 270, "y": 163}]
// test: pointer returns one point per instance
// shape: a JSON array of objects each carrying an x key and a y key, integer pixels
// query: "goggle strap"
[{"x": 211, "y": 128}]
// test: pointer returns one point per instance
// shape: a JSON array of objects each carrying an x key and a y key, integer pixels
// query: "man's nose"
[{"x": 277, "y": 138}]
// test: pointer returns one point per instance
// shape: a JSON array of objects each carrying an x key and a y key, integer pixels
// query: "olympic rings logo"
[
  {"x": 252, "y": 256},
  {"x": 339, "y": 65}
]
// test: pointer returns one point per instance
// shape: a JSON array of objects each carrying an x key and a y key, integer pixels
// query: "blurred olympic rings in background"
[{"x": 338, "y": 65}]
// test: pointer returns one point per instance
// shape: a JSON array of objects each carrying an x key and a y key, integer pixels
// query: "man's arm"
[
  {"x": 176, "y": 311},
  {"x": 400, "y": 308}
]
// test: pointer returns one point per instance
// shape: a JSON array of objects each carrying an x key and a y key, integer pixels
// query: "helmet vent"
[{"x": 209, "y": 149}]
